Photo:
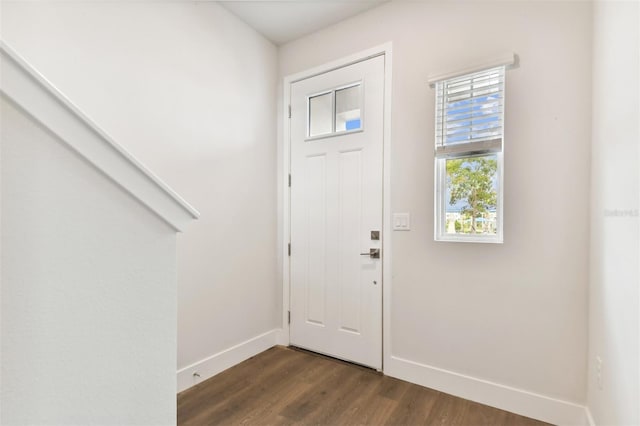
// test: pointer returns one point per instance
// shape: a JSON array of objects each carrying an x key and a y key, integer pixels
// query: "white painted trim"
[
  {"x": 387, "y": 222},
  {"x": 339, "y": 63},
  {"x": 284, "y": 144},
  {"x": 225, "y": 359},
  {"x": 282, "y": 339},
  {"x": 285, "y": 148},
  {"x": 522, "y": 402},
  {"x": 589, "y": 420},
  {"x": 506, "y": 59},
  {"x": 31, "y": 92}
]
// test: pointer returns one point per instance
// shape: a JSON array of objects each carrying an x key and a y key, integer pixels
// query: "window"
[
  {"x": 320, "y": 110},
  {"x": 334, "y": 112},
  {"x": 469, "y": 157}
]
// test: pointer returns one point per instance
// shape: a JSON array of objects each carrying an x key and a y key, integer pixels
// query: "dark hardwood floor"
[{"x": 287, "y": 386}]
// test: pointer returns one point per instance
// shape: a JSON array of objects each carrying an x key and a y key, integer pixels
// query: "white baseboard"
[
  {"x": 507, "y": 398},
  {"x": 282, "y": 337},
  {"x": 227, "y": 358}
]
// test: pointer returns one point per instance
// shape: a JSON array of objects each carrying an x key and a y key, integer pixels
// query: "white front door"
[{"x": 336, "y": 212}]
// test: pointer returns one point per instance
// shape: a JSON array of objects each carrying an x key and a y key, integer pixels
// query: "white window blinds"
[{"x": 470, "y": 113}]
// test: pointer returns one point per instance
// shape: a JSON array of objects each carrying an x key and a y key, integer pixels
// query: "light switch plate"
[{"x": 401, "y": 221}]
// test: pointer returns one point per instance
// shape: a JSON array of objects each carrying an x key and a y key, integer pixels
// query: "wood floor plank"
[
  {"x": 414, "y": 407},
  {"x": 296, "y": 379},
  {"x": 392, "y": 388},
  {"x": 283, "y": 386},
  {"x": 377, "y": 412},
  {"x": 262, "y": 380},
  {"x": 446, "y": 411},
  {"x": 229, "y": 381},
  {"x": 318, "y": 395},
  {"x": 360, "y": 408},
  {"x": 479, "y": 414},
  {"x": 337, "y": 403}
]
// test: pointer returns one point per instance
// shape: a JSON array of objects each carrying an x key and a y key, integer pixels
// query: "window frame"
[
  {"x": 440, "y": 175},
  {"x": 333, "y": 92}
]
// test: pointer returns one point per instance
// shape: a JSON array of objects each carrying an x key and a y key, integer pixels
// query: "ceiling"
[{"x": 286, "y": 20}]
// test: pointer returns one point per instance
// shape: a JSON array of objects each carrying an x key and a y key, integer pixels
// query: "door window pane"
[
  {"x": 320, "y": 114},
  {"x": 348, "y": 109}
]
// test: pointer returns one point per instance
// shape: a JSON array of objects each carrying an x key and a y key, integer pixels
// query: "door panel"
[
  {"x": 316, "y": 209},
  {"x": 350, "y": 228},
  {"x": 336, "y": 201}
]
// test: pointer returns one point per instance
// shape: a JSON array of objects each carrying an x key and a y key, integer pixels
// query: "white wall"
[
  {"x": 615, "y": 253},
  {"x": 514, "y": 314},
  {"x": 88, "y": 291},
  {"x": 190, "y": 91}
]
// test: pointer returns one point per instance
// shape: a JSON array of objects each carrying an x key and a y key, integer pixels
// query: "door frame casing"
[{"x": 285, "y": 169}]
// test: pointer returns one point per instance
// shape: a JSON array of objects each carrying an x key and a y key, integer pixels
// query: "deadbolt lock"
[{"x": 375, "y": 235}]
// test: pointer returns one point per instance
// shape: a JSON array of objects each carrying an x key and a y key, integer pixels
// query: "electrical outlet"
[{"x": 599, "y": 372}]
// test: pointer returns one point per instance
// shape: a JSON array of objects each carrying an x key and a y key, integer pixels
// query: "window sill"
[{"x": 459, "y": 238}]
